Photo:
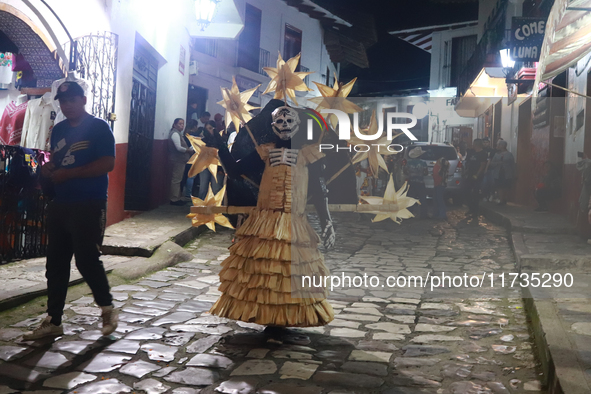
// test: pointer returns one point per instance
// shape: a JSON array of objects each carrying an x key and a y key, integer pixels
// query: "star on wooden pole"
[
  {"x": 212, "y": 200},
  {"x": 336, "y": 98},
  {"x": 285, "y": 80},
  {"x": 393, "y": 198},
  {"x": 377, "y": 148},
  {"x": 204, "y": 157},
  {"x": 236, "y": 104}
]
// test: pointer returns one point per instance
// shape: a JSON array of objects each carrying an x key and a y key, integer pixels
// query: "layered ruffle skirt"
[{"x": 275, "y": 273}]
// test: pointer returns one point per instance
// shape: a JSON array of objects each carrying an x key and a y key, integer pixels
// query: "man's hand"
[
  {"x": 328, "y": 235},
  {"x": 589, "y": 216},
  {"x": 60, "y": 176},
  {"x": 47, "y": 169}
]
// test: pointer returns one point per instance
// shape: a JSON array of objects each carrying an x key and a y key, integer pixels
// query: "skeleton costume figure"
[{"x": 261, "y": 280}]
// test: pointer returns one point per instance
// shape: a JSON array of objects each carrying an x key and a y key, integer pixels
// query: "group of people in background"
[{"x": 182, "y": 187}]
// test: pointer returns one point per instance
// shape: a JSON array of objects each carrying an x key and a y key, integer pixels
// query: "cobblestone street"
[{"x": 394, "y": 340}]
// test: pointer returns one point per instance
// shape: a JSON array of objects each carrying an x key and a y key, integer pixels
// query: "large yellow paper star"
[
  {"x": 204, "y": 157},
  {"x": 393, "y": 197},
  {"x": 377, "y": 148},
  {"x": 210, "y": 219},
  {"x": 236, "y": 104},
  {"x": 335, "y": 98},
  {"x": 285, "y": 80}
]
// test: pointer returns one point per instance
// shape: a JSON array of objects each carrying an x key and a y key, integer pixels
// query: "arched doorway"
[{"x": 32, "y": 45}]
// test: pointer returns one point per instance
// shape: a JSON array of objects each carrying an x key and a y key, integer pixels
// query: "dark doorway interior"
[
  {"x": 250, "y": 40},
  {"x": 141, "y": 131},
  {"x": 197, "y": 95}
]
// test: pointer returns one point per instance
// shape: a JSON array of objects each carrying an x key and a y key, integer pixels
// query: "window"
[
  {"x": 292, "y": 43},
  {"x": 249, "y": 41},
  {"x": 206, "y": 45},
  {"x": 462, "y": 49}
]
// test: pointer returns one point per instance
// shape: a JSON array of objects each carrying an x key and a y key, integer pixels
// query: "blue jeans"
[
  {"x": 439, "y": 210},
  {"x": 487, "y": 187},
  {"x": 189, "y": 187},
  {"x": 205, "y": 179}
]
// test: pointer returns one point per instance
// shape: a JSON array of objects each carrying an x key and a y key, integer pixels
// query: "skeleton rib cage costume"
[{"x": 261, "y": 280}]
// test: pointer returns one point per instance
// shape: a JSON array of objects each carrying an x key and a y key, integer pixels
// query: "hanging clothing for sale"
[
  {"x": 38, "y": 124},
  {"x": 56, "y": 104},
  {"x": 6, "y": 73},
  {"x": 11, "y": 123}
]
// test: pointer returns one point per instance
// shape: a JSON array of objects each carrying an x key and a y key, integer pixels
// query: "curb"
[
  {"x": 158, "y": 259},
  {"x": 562, "y": 373},
  {"x": 168, "y": 254},
  {"x": 149, "y": 248}
]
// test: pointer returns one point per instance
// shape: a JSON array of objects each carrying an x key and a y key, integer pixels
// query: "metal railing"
[
  {"x": 307, "y": 77},
  {"x": 488, "y": 48},
  {"x": 22, "y": 205},
  {"x": 208, "y": 46},
  {"x": 264, "y": 58}
]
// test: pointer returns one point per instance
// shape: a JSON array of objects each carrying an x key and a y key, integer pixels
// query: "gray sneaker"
[
  {"x": 109, "y": 316},
  {"x": 46, "y": 329}
]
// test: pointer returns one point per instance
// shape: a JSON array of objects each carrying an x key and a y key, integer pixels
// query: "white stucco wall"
[{"x": 164, "y": 31}]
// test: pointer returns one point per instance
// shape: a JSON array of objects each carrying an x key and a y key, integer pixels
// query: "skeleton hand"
[
  {"x": 213, "y": 140},
  {"x": 328, "y": 235}
]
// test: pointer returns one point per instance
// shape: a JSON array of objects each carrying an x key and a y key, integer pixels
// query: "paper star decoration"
[
  {"x": 236, "y": 104},
  {"x": 285, "y": 80},
  {"x": 210, "y": 220},
  {"x": 396, "y": 198},
  {"x": 377, "y": 148},
  {"x": 204, "y": 157},
  {"x": 335, "y": 98}
]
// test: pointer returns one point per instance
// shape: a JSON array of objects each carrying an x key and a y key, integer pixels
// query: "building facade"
[
  {"x": 271, "y": 28},
  {"x": 144, "y": 63}
]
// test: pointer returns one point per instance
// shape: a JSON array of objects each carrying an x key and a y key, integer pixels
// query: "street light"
[
  {"x": 205, "y": 9},
  {"x": 506, "y": 60}
]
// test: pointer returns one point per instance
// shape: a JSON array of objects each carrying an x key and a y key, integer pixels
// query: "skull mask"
[{"x": 286, "y": 122}]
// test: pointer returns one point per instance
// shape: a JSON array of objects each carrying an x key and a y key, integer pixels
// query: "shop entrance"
[
  {"x": 525, "y": 182},
  {"x": 141, "y": 131}
]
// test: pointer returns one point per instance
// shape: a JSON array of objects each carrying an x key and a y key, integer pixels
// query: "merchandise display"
[{"x": 38, "y": 123}]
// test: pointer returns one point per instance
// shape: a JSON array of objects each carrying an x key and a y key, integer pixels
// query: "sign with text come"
[{"x": 527, "y": 36}]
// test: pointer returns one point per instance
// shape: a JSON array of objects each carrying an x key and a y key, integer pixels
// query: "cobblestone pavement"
[{"x": 402, "y": 340}]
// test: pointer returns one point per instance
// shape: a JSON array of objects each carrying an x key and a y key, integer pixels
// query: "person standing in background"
[
  {"x": 206, "y": 178},
  {"x": 187, "y": 184},
  {"x": 193, "y": 115},
  {"x": 179, "y": 153},
  {"x": 476, "y": 160},
  {"x": 416, "y": 170},
  {"x": 502, "y": 168},
  {"x": 203, "y": 119},
  {"x": 440, "y": 174},
  {"x": 503, "y": 171}
]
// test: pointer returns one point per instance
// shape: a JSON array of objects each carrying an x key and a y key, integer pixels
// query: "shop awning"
[
  {"x": 487, "y": 89},
  {"x": 567, "y": 39}
]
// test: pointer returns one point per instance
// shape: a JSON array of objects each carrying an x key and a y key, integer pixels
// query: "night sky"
[{"x": 395, "y": 64}]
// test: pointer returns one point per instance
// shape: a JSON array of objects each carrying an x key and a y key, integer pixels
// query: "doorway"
[
  {"x": 141, "y": 131},
  {"x": 197, "y": 95},
  {"x": 524, "y": 193}
]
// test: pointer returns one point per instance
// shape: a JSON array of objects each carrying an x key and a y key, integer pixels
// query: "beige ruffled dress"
[{"x": 261, "y": 280}]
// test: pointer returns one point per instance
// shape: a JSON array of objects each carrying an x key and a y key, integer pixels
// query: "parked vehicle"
[{"x": 432, "y": 153}]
